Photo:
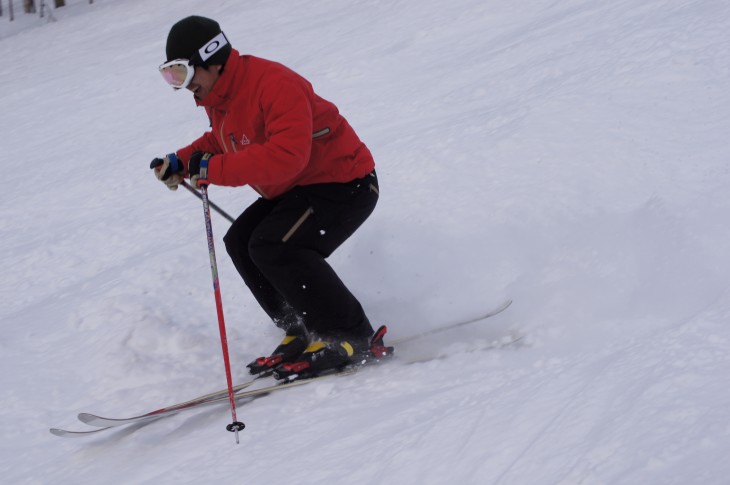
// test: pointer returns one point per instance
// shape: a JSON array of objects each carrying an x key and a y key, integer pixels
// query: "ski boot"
[
  {"x": 288, "y": 350},
  {"x": 322, "y": 356}
]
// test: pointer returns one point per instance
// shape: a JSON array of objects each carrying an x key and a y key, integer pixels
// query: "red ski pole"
[{"x": 236, "y": 425}]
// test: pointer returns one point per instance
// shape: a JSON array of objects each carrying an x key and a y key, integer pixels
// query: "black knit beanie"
[{"x": 191, "y": 34}]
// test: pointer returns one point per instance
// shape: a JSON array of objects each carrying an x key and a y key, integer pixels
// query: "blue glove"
[{"x": 198, "y": 169}]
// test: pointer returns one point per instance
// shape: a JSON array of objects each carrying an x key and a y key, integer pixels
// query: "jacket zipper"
[{"x": 223, "y": 139}]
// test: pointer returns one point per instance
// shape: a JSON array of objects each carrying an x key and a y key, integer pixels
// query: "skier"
[{"x": 317, "y": 183}]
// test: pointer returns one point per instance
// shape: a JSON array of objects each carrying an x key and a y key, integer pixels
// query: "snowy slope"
[{"x": 567, "y": 154}]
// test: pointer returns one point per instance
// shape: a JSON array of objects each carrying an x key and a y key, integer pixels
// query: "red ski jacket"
[{"x": 271, "y": 131}]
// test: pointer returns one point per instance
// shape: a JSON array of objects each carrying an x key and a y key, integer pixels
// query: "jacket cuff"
[
  {"x": 184, "y": 154},
  {"x": 213, "y": 169}
]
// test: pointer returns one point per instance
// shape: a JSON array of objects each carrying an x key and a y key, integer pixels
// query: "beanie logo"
[{"x": 212, "y": 46}]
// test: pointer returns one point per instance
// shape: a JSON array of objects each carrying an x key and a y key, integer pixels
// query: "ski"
[
  {"x": 65, "y": 433},
  {"x": 110, "y": 423},
  {"x": 217, "y": 396},
  {"x": 85, "y": 417},
  {"x": 104, "y": 423},
  {"x": 444, "y": 328}
]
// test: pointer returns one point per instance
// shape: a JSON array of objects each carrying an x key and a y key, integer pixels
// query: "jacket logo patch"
[{"x": 244, "y": 140}]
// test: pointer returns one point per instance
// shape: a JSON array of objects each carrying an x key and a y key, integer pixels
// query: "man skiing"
[{"x": 317, "y": 183}]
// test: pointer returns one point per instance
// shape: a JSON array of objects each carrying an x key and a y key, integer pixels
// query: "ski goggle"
[{"x": 179, "y": 72}]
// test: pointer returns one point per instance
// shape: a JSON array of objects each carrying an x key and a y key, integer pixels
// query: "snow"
[{"x": 568, "y": 155}]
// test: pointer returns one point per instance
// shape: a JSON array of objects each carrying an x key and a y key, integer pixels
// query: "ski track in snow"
[{"x": 568, "y": 155}]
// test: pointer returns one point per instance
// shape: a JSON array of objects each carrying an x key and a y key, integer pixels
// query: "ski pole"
[
  {"x": 215, "y": 207},
  {"x": 236, "y": 425}
]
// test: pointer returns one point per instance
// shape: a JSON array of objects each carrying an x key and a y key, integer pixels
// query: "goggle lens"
[{"x": 177, "y": 74}]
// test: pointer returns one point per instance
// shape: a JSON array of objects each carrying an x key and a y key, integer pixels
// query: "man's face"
[{"x": 203, "y": 81}]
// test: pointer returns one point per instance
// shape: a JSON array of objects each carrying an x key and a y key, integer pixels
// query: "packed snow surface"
[{"x": 570, "y": 155}]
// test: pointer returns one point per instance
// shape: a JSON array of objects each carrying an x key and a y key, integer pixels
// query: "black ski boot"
[
  {"x": 288, "y": 350},
  {"x": 334, "y": 355}
]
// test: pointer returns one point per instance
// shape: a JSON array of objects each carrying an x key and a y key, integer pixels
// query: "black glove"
[
  {"x": 168, "y": 170},
  {"x": 198, "y": 169}
]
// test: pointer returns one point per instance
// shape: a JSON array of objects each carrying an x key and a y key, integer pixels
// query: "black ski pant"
[{"x": 279, "y": 248}]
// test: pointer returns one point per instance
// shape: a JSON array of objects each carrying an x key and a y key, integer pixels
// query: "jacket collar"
[{"x": 220, "y": 96}]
